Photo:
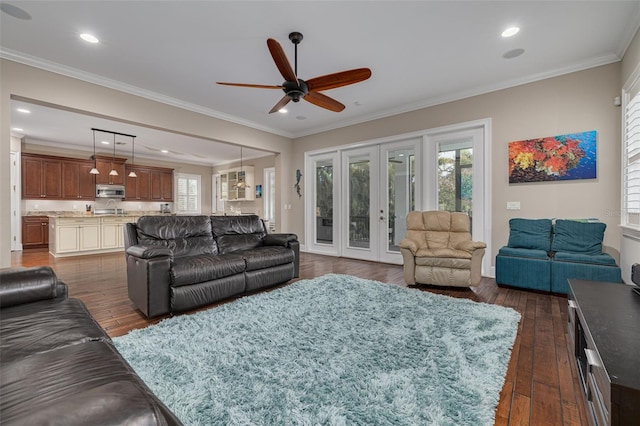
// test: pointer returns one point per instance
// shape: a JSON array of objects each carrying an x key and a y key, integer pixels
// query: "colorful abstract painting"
[{"x": 554, "y": 158}]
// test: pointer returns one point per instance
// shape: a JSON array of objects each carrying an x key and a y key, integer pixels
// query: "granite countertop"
[{"x": 85, "y": 214}]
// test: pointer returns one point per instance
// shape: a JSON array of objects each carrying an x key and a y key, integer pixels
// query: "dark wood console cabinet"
[{"x": 604, "y": 330}]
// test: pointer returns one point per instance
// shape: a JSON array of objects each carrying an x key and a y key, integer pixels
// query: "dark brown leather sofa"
[
  {"x": 178, "y": 263},
  {"x": 59, "y": 366}
]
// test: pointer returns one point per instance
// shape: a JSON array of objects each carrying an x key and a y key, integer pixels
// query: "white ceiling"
[{"x": 421, "y": 53}]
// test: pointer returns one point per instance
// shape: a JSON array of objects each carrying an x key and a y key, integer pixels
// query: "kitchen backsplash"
[{"x": 80, "y": 206}]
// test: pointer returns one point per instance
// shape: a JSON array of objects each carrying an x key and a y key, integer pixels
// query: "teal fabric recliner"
[{"x": 542, "y": 255}]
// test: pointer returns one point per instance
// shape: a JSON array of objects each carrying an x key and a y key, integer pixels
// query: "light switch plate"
[{"x": 513, "y": 205}]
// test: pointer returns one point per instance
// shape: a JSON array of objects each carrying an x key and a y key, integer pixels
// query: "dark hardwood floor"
[{"x": 541, "y": 385}]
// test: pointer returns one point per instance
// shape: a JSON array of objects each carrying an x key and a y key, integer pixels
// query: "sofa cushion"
[
  {"x": 199, "y": 268},
  {"x": 532, "y": 234},
  {"x": 46, "y": 325},
  {"x": 183, "y": 235},
  {"x": 600, "y": 259},
  {"x": 442, "y": 252},
  {"x": 237, "y": 233},
  {"x": 443, "y": 262},
  {"x": 267, "y": 257},
  {"x": 84, "y": 384},
  {"x": 525, "y": 253},
  {"x": 578, "y": 237}
]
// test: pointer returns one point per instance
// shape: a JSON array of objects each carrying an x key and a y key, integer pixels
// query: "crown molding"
[
  {"x": 57, "y": 68},
  {"x": 434, "y": 101}
]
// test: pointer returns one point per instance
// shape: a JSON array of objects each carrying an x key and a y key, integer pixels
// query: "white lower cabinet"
[
  {"x": 113, "y": 231},
  {"x": 73, "y": 236}
]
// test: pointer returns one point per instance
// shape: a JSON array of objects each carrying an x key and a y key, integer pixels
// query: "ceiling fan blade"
[
  {"x": 277, "y": 53},
  {"x": 323, "y": 101},
  {"x": 338, "y": 79},
  {"x": 256, "y": 86},
  {"x": 277, "y": 107}
]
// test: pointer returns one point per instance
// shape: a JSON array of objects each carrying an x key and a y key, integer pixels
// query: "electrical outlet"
[
  {"x": 36, "y": 207},
  {"x": 513, "y": 205}
]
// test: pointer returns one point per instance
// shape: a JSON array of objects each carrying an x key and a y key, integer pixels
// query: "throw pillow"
[
  {"x": 534, "y": 234},
  {"x": 578, "y": 237}
]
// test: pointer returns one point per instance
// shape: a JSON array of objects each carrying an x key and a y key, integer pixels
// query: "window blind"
[{"x": 631, "y": 164}]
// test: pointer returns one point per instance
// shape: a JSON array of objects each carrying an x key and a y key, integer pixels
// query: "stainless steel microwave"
[{"x": 109, "y": 191}]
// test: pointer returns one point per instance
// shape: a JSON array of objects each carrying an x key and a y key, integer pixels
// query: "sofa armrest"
[
  {"x": 26, "y": 285},
  {"x": 470, "y": 246},
  {"x": 409, "y": 244},
  {"x": 149, "y": 252},
  {"x": 279, "y": 239}
]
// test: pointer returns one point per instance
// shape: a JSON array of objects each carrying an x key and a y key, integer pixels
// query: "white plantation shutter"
[
  {"x": 188, "y": 194},
  {"x": 631, "y": 164}
]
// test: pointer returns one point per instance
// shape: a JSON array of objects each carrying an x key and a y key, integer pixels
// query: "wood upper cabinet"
[
  {"x": 152, "y": 184},
  {"x": 138, "y": 188},
  {"x": 77, "y": 182},
  {"x": 35, "y": 232},
  {"x": 105, "y": 165},
  {"x": 41, "y": 177},
  {"x": 162, "y": 185}
]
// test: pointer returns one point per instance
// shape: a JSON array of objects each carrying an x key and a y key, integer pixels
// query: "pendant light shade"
[
  {"x": 132, "y": 173},
  {"x": 94, "y": 170},
  {"x": 241, "y": 184},
  {"x": 113, "y": 171}
]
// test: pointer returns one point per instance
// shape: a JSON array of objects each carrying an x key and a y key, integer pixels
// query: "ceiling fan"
[{"x": 296, "y": 88}]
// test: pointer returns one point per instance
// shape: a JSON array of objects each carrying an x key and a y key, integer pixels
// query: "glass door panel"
[
  {"x": 360, "y": 203},
  {"x": 398, "y": 195},
  {"x": 324, "y": 201}
]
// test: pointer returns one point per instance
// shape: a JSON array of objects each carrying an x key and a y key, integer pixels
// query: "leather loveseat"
[
  {"x": 542, "y": 255},
  {"x": 178, "y": 263},
  {"x": 59, "y": 366}
]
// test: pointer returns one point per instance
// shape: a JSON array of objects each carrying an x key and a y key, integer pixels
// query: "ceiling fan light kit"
[{"x": 296, "y": 88}]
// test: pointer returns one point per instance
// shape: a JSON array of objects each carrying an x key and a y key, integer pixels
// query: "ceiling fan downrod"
[{"x": 295, "y": 38}]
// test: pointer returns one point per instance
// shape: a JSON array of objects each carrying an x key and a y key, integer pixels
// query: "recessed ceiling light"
[
  {"x": 510, "y": 32},
  {"x": 17, "y": 129},
  {"x": 164, "y": 151},
  {"x": 23, "y": 110},
  {"x": 513, "y": 53},
  {"x": 104, "y": 142},
  {"x": 301, "y": 117},
  {"x": 283, "y": 110},
  {"x": 89, "y": 38}
]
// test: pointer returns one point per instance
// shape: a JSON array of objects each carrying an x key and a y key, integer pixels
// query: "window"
[
  {"x": 455, "y": 177},
  {"x": 631, "y": 165},
  {"x": 188, "y": 194}
]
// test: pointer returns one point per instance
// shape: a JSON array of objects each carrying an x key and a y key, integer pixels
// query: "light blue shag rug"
[{"x": 334, "y": 350}]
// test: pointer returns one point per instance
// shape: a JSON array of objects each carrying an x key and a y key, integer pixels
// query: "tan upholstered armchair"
[{"x": 438, "y": 250}]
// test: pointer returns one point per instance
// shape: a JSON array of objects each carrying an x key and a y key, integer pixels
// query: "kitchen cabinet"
[
  {"x": 105, "y": 165},
  {"x": 152, "y": 184},
  {"x": 162, "y": 185},
  {"x": 230, "y": 178},
  {"x": 113, "y": 232},
  {"x": 77, "y": 182},
  {"x": 35, "y": 232},
  {"x": 41, "y": 177},
  {"x": 138, "y": 188},
  {"x": 74, "y": 235}
]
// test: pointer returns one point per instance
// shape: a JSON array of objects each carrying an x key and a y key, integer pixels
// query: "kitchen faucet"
[{"x": 115, "y": 205}]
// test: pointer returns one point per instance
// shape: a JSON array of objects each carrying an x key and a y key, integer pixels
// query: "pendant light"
[
  {"x": 241, "y": 184},
  {"x": 95, "y": 170},
  {"x": 132, "y": 173},
  {"x": 113, "y": 171}
]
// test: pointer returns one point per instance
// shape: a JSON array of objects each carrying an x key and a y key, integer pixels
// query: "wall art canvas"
[{"x": 564, "y": 157}]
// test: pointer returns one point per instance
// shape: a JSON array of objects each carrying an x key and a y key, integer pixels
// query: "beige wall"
[
  {"x": 50, "y": 88},
  {"x": 570, "y": 103}
]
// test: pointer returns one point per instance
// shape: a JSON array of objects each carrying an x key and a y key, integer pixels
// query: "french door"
[{"x": 378, "y": 190}]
